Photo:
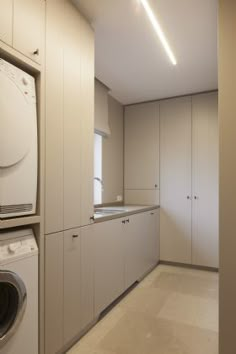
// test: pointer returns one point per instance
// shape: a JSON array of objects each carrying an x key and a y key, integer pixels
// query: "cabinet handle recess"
[
  {"x": 36, "y": 52},
  {"x": 123, "y": 221},
  {"x": 152, "y": 213},
  {"x": 75, "y": 236},
  {"x": 127, "y": 220},
  {"x": 92, "y": 218}
]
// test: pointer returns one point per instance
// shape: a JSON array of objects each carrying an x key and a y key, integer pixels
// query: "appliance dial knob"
[
  {"x": 25, "y": 81},
  {"x": 13, "y": 247}
]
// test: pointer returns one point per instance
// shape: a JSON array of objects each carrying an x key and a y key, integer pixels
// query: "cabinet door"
[
  {"x": 87, "y": 121},
  {"x": 153, "y": 238},
  {"x": 72, "y": 117},
  {"x": 108, "y": 263},
  {"x": 175, "y": 182},
  {"x": 28, "y": 28},
  {"x": 136, "y": 263},
  {"x": 87, "y": 275},
  {"x": 72, "y": 284},
  {"x": 205, "y": 180},
  {"x": 6, "y": 15},
  {"x": 142, "y": 146},
  {"x": 54, "y": 117},
  {"x": 53, "y": 293}
]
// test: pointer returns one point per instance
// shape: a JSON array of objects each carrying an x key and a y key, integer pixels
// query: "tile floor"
[{"x": 172, "y": 311}]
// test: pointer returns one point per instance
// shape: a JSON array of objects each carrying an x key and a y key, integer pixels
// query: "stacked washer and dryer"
[{"x": 18, "y": 192}]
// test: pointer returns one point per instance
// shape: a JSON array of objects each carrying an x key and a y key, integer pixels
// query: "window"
[{"x": 98, "y": 184}]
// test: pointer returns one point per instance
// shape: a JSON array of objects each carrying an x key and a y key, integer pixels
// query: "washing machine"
[
  {"x": 18, "y": 292},
  {"x": 18, "y": 142}
]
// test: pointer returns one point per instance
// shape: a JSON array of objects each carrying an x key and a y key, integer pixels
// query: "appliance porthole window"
[
  {"x": 12, "y": 304},
  {"x": 9, "y": 302}
]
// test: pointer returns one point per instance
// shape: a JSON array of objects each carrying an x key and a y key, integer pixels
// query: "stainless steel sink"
[{"x": 109, "y": 210}]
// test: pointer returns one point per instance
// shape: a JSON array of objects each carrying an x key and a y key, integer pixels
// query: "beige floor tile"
[
  {"x": 98, "y": 332},
  {"x": 88, "y": 350},
  {"x": 140, "y": 333},
  {"x": 149, "y": 300},
  {"x": 191, "y": 310},
  {"x": 187, "y": 283},
  {"x": 173, "y": 310}
]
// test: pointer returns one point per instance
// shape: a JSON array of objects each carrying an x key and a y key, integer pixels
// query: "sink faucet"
[{"x": 100, "y": 181}]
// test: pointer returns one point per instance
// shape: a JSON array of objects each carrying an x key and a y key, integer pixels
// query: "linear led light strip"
[{"x": 158, "y": 31}]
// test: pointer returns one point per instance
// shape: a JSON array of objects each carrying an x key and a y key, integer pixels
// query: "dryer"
[
  {"x": 18, "y": 292},
  {"x": 18, "y": 142}
]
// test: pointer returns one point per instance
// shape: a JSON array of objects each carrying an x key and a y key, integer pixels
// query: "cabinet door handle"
[
  {"x": 188, "y": 197},
  {"x": 123, "y": 221},
  {"x": 152, "y": 214},
  {"x": 195, "y": 197},
  {"x": 156, "y": 185},
  {"x": 127, "y": 220},
  {"x": 75, "y": 235},
  {"x": 92, "y": 218},
  {"x": 36, "y": 52}
]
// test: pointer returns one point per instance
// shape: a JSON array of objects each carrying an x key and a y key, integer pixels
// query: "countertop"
[{"x": 128, "y": 210}]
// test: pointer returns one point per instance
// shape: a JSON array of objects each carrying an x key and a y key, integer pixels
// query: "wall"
[
  {"x": 112, "y": 169},
  {"x": 227, "y": 118}
]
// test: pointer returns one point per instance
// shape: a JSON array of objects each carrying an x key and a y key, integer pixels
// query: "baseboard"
[{"x": 190, "y": 266}]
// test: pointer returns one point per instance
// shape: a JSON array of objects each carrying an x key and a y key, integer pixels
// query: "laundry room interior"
[{"x": 117, "y": 176}]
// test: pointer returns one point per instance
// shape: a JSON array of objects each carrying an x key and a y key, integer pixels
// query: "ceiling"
[{"x": 130, "y": 60}]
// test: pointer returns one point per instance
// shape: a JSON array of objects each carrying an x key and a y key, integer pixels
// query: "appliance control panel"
[
  {"x": 24, "y": 81},
  {"x": 17, "y": 248}
]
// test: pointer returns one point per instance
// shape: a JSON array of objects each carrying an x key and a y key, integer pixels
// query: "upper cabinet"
[
  {"x": 28, "y": 28},
  {"x": 22, "y": 26},
  {"x": 142, "y": 153},
  {"x": 87, "y": 122},
  {"x": 72, "y": 112},
  {"x": 69, "y": 118},
  {"x": 6, "y": 15},
  {"x": 54, "y": 122}
]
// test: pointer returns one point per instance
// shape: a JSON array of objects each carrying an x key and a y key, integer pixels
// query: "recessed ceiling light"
[{"x": 158, "y": 30}]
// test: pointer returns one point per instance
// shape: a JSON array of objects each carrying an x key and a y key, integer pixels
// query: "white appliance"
[
  {"x": 18, "y": 142},
  {"x": 18, "y": 293}
]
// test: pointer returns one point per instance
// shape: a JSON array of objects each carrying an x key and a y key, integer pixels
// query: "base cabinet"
[
  {"x": 141, "y": 245},
  {"x": 53, "y": 293},
  {"x": 109, "y": 260},
  {"x": 69, "y": 294},
  {"x": 72, "y": 284},
  {"x": 87, "y": 268},
  {"x": 125, "y": 250}
]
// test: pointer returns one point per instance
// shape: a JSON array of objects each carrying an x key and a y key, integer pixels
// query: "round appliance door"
[
  {"x": 15, "y": 122},
  {"x": 12, "y": 304}
]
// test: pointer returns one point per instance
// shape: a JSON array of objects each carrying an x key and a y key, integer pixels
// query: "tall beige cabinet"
[
  {"x": 69, "y": 131},
  {"x": 69, "y": 118},
  {"x": 189, "y": 180},
  {"x": 142, "y": 153},
  {"x": 175, "y": 179},
  {"x": 205, "y": 180}
]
